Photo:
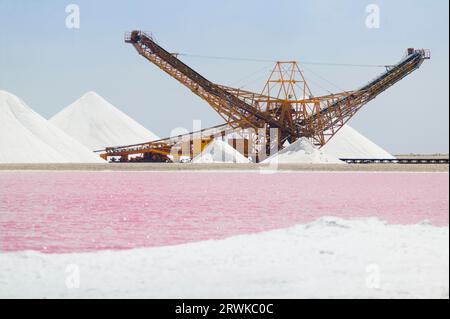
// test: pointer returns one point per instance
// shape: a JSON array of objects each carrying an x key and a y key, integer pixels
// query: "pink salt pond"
[{"x": 61, "y": 212}]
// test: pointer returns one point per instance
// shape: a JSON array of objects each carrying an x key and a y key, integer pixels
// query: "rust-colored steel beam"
[
  {"x": 334, "y": 113},
  {"x": 233, "y": 110}
]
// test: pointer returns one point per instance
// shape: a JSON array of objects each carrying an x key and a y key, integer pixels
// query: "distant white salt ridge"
[
  {"x": 349, "y": 143},
  {"x": 96, "y": 123},
  {"x": 27, "y": 137},
  {"x": 220, "y": 152},
  {"x": 302, "y": 151}
]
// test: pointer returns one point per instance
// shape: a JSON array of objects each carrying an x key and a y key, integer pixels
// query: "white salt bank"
[
  {"x": 26, "y": 137},
  {"x": 349, "y": 143},
  {"x": 96, "y": 123},
  {"x": 220, "y": 152},
  {"x": 328, "y": 258},
  {"x": 302, "y": 152}
]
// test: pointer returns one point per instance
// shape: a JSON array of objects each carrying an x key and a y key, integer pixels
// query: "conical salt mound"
[
  {"x": 26, "y": 137},
  {"x": 302, "y": 152},
  {"x": 220, "y": 152},
  {"x": 349, "y": 143},
  {"x": 96, "y": 123}
]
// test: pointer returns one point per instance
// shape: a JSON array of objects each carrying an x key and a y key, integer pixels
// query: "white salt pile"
[
  {"x": 96, "y": 123},
  {"x": 26, "y": 137},
  {"x": 302, "y": 152},
  {"x": 349, "y": 143},
  {"x": 220, "y": 152}
]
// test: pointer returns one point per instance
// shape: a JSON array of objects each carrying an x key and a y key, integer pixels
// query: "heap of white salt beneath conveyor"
[
  {"x": 302, "y": 152},
  {"x": 220, "y": 152},
  {"x": 349, "y": 143},
  {"x": 26, "y": 137},
  {"x": 96, "y": 123}
]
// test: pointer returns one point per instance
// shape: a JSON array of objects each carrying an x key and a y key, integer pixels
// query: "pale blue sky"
[{"x": 50, "y": 66}]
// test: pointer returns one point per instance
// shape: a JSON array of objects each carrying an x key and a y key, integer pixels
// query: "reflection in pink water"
[{"x": 86, "y": 211}]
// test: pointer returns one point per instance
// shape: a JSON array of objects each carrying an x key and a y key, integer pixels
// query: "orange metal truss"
[{"x": 286, "y": 104}]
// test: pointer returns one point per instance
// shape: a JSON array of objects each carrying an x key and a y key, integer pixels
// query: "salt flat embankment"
[{"x": 228, "y": 167}]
